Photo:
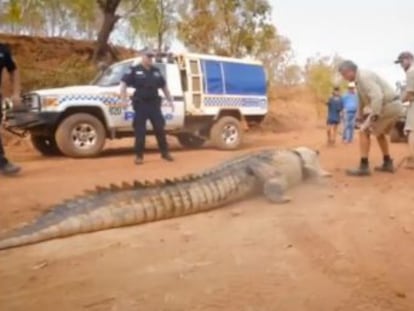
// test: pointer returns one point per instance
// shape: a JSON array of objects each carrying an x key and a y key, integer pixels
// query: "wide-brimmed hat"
[{"x": 402, "y": 56}]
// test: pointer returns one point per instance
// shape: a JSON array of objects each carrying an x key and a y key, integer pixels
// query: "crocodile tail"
[{"x": 87, "y": 213}]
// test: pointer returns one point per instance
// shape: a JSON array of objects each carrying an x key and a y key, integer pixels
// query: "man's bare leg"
[
  {"x": 329, "y": 134},
  {"x": 334, "y": 133},
  {"x": 364, "y": 147},
  {"x": 410, "y": 160},
  {"x": 383, "y": 144},
  {"x": 387, "y": 165},
  {"x": 364, "y": 144}
]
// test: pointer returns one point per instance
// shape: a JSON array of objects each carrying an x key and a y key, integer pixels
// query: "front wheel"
[
  {"x": 81, "y": 135},
  {"x": 190, "y": 141},
  {"x": 226, "y": 133},
  {"x": 45, "y": 145}
]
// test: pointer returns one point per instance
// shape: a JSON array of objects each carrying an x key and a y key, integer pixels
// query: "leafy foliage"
[
  {"x": 155, "y": 23},
  {"x": 238, "y": 28},
  {"x": 321, "y": 76}
]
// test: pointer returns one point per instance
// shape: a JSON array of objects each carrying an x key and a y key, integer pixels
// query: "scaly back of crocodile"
[{"x": 137, "y": 203}]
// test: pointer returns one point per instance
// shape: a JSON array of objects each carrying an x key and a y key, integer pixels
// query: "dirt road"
[{"x": 346, "y": 245}]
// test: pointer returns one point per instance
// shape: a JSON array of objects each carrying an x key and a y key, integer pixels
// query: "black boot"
[
  {"x": 10, "y": 169},
  {"x": 167, "y": 157},
  {"x": 362, "y": 170},
  {"x": 387, "y": 166},
  {"x": 138, "y": 160}
]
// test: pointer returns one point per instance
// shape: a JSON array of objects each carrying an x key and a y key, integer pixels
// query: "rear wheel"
[
  {"x": 226, "y": 133},
  {"x": 190, "y": 141},
  {"x": 81, "y": 135},
  {"x": 45, "y": 145}
]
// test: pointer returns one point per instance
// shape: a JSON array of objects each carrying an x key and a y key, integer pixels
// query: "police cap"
[{"x": 148, "y": 52}]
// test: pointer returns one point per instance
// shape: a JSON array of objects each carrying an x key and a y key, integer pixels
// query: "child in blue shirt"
[
  {"x": 350, "y": 102},
  {"x": 335, "y": 107}
]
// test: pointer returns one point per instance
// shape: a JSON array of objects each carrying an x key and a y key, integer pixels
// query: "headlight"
[
  {"x": 31, "y": 101},
  {"x": 7, "y": 104},
  {"x": 49, "y": 101}
]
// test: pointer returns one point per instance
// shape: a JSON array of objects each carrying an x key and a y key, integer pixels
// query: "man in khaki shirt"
[
  {"x": 378, "y": 111},
  {"x": 406, "y": 60}
]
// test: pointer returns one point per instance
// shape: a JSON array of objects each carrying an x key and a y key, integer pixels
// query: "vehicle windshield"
[{"x": 112, "y": 75}]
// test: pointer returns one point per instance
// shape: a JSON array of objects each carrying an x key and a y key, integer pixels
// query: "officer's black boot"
[
  {"x": 9, "y": 169},
  {"x": 167, "y": 157},
  {"x": 387, "y": 166},
  {"x": 139, "y": 160},
  {"x": 362, "y": 170}
]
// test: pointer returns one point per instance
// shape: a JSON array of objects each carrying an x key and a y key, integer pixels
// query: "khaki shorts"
[
  {"x": 386, "y": 121},
  {"x": 409, "y": 122}
]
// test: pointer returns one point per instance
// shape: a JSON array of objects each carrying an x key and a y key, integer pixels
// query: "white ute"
[{"x": 215, "y": 99}]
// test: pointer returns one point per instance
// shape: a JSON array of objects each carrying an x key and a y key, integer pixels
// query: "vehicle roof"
[{"x": 205, "y": 56}]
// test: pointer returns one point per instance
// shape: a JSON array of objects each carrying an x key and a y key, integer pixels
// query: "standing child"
[
  {"x": 335, "y": 107},
  {"x": 350, "y": 102}
]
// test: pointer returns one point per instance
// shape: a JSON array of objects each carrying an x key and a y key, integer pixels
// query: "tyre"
[
  {"x": 190, "y": 141},
  {"x": 81, "y": 135},
  {"x": 45, "y": 145},
  {"x": 226, "y": 133}
]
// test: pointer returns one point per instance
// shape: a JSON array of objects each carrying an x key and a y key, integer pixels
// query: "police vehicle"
[{"x": 214, "y": 99}]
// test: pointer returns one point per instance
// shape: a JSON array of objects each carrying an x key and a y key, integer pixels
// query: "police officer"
[
  {"x": 6, "y": 61},
  {"x": 406, "y": 60},
  {"x": 147, "y": 79},
  {"x": 379, "y": 109}
]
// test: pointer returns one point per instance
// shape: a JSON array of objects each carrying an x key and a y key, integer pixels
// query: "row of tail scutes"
[{"x": 142, "y": 185}]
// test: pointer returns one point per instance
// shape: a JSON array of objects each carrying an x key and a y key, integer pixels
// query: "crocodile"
[{"x": 270, "y": 172}]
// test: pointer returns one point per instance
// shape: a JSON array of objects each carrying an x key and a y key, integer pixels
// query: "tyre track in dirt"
[
  {"x": 346, "y": 264},
  {"x": 334, "y": 247}
]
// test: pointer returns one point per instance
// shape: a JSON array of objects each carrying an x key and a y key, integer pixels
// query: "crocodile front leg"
[{"x": 274, "y": 183}]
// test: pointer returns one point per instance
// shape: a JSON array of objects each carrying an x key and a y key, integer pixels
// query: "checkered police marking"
[
  {"x": 242, "y": 102},
  {"x": 104, "y": 98}
]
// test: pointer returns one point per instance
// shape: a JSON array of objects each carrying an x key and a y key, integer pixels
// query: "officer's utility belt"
[{"x": 150, "y": 100}]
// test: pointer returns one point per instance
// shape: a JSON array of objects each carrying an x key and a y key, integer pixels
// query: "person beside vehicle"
[
  {"x": 146, "y": 102},
  {"x": 406, "y": 60},
  {"x": 350, "y": 101},
  {"x": 7, "y": 62},
  {"x": 378, "y": 110},
  {"x": 335, "y": 107}
]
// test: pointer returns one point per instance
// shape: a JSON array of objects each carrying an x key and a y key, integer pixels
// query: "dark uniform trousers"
[
  {"x": 149, "y": 110},
  {"x": 3, "y": 160}
]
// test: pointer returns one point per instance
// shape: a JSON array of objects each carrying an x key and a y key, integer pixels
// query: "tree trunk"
[
  {"x": 160, "y": 42},
  {"x": 102, "y": 48}
]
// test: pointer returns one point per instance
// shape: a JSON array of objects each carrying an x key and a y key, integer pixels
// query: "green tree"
[
  {"x": 156, "y": 22},
  {"x": 70, "y": 18},
  {"x": 237, "y": 28},
  {"x": 321, "y": 76}
]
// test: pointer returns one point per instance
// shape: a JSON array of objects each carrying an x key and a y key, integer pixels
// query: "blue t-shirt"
[
  {"x": 350, "y": 101},
  {"x": 335, "y": 106}
]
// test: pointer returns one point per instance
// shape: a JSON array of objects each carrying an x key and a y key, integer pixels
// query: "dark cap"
[
  {"x": 402, "y": 56},
  {"x": 147, "y": 51}
]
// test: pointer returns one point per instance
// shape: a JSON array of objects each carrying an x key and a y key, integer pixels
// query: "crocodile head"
[{"x": 312, "y": 166}]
